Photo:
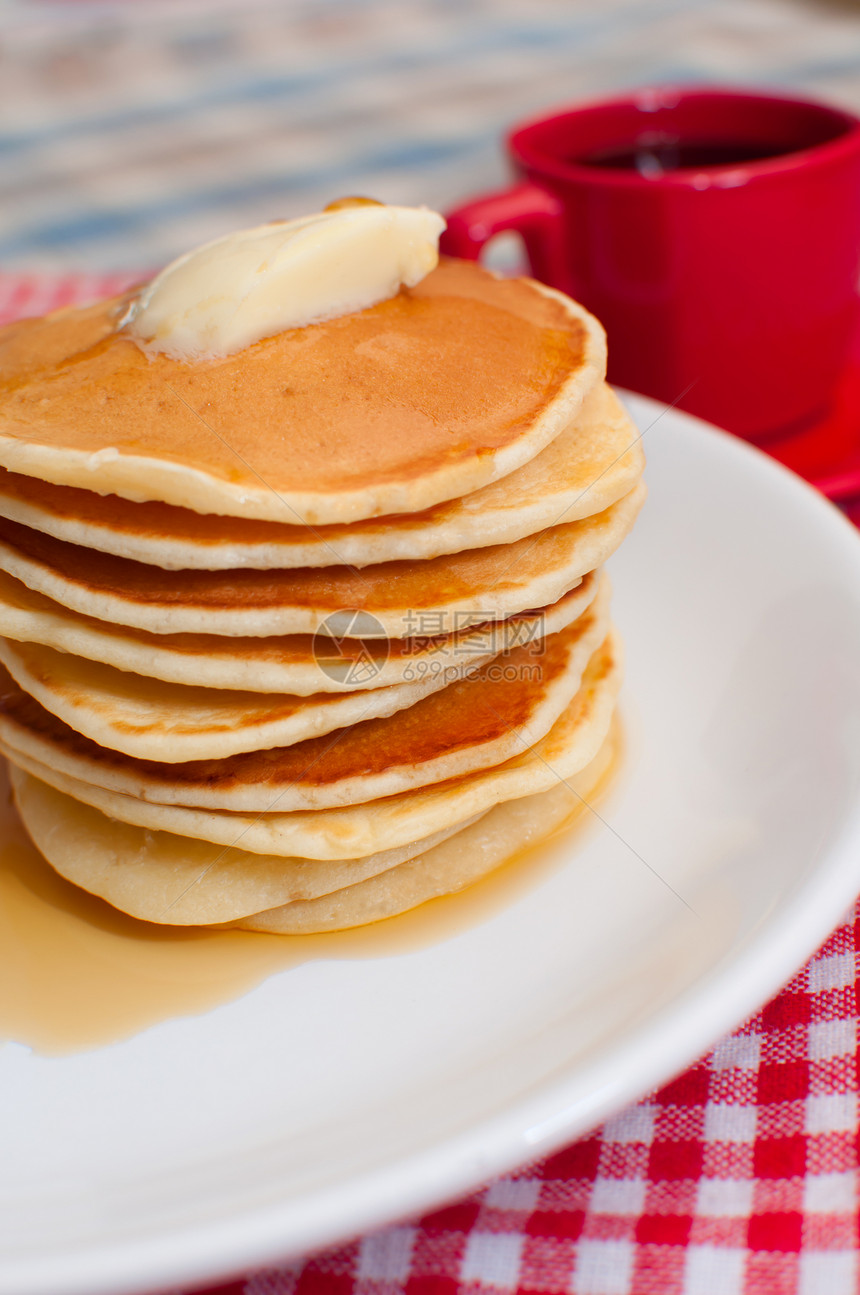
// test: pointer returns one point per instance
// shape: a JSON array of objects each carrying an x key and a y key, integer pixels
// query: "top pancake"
[{"x": 419, "y": 399}]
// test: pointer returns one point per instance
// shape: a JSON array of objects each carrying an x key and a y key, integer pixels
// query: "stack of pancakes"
[{"x": 302, "y": 637}]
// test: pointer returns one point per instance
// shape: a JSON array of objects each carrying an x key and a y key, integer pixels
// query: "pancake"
[
  {"x": 475, "y": 851},
  {"x": 356, "y": 830},
  {"x": 588, "y": 467},
  {"x": 174, "y": 722},
  {"x": 424, "y": 397},
  {"x": 472, "y": 724},
  {"x": 276, "y": 664},
  {"x": 172, "y": 879},
  {"x": 397, "y": 597}
]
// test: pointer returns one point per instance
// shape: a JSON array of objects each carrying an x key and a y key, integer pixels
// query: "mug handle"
[{"x": 528, "y": 210}]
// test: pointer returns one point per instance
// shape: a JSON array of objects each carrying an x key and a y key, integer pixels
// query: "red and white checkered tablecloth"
[{"x": 738, "y": 1178}]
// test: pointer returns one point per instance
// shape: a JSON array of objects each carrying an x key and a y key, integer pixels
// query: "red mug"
[{"x": 715, "y": 234}]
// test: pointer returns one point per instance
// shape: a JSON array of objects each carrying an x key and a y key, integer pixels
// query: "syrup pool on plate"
[{"x": 77, "y": 974}]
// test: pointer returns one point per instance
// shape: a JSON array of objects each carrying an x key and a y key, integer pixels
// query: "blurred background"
[{"x": 131, "y": 130}]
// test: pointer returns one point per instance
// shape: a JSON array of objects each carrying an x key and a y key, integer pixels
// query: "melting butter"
[{"x": 229, "y": 293}]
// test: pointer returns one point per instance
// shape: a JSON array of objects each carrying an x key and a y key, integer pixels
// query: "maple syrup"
[{"x": 76, "y": 974}]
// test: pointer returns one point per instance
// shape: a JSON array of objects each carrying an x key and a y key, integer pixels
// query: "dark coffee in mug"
[
  {"x": 653, "y": 157},
  {"x": 654, "y": 152}
]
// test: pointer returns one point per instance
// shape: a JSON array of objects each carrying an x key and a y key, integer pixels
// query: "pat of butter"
[{"x": 234, "y": 291}]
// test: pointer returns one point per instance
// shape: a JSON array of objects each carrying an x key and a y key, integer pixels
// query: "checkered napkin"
[{"x": 739, "y": 1178}]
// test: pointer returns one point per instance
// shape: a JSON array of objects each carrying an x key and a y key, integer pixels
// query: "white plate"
[{"x": 342, "y": 1094}]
